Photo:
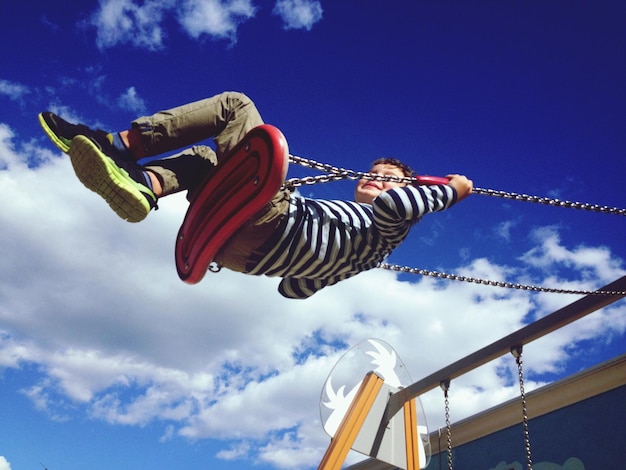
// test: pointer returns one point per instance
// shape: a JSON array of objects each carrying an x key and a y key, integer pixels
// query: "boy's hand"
[{"x": 462, "y": 185}]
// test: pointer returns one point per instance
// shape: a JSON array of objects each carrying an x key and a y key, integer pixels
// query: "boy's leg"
[
  {"x": 226, "y": 117},
  {"x": 254, "y": 234},
  {"x": 125, "y": 185},
  {"x": 183, "y": 171},
  {"x": 62, "y": 132},
  {"x": 122, "y": 184}
]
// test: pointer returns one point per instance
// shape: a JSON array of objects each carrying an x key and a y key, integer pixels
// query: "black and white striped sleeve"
[{"x": 410, "y": 204}]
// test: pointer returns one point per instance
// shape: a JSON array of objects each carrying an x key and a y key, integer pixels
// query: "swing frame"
[{"x": 506, "y": 345}]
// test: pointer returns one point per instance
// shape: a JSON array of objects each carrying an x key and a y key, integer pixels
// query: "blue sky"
[{"x": 107, "y": 360}]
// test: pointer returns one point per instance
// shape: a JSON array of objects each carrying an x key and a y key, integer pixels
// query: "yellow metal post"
[
  {"x": 411, "y": 435},
  {"x": 351, "y": 423}
]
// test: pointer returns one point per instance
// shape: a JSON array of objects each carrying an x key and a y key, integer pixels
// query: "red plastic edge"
[
  {"x": 246, "y": 179},
  {"x": 428, "y": 180}
]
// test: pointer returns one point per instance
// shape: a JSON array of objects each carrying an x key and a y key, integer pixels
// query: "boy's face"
[{"x": 366, "y": 190}]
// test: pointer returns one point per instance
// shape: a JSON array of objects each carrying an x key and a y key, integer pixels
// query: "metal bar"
[
  {"x": 411, "y": 436},
  {"x": 351, "y": 424},
  {"x": 535, "y": 330}
]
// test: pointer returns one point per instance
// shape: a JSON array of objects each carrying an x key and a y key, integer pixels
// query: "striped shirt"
[{"x": 324, "y": 242}]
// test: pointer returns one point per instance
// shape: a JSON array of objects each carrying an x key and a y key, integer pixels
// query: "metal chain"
[
  {"x": 333, "y": 173},
  {"x": 509, "y": 285},
  {"x": 517, "y": 352},
  {"x": 445, "y": 386},
  {"x": 550, "y": 202}
]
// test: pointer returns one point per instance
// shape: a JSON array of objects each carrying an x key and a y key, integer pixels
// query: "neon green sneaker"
[
  {"x": 62, "y": 132},
  {"x": 121, "y": 183}
]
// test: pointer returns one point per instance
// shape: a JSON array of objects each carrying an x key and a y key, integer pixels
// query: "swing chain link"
[
  {"x": 333, "y": 173},
  {"x": 214, "y": 267},
  {"x": 445, "y": 386},
  {"x": 550, "y": 201},
  {"x": 488, "y": 282},
  {"x": 517, "y": 353}
]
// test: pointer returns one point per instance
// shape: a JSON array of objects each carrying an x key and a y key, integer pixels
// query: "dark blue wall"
[{"x": 593, "y": 431}]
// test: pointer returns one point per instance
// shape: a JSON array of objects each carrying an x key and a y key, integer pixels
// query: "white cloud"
[
  {"x": 124, "y": 21},
  {"x": 14, "y": 91},
  {"x": 217, "y": 18},
  {"x": 4, "y": 463},
  {"x": 592, "y": 262},
  {"x": 503, "y": 229},
  {"x": 169, "y": 434},
  {"x": 142, "y": 24},
  {"x": 236, "y": 451},
  {"x": 299, "y": 14},
  {"x": 96, "y": 305},
  {"x": 131, "y": 101}
]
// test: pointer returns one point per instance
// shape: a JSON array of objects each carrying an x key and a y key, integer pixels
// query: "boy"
[{"x": 310, "y": 243}]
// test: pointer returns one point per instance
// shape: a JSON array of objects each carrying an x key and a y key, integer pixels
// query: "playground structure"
[
  {"x": 605, "y": 382},
  {"x": 380, "y": 419}
]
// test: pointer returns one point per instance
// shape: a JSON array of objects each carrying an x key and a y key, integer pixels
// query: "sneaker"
[
  {"x": 62, "y": 132},
  {"x": 122, "y": 184}
]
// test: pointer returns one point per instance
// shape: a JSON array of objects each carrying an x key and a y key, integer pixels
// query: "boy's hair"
[{"x": 406, "y": 169}]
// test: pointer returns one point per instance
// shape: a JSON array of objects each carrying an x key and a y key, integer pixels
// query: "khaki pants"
[{"x": 226, "y": 118}]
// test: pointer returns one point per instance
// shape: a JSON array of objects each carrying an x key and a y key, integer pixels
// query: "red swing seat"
[{"x": 246, "y": 179}]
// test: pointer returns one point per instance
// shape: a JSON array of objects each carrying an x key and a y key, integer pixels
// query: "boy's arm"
[
  {"x": 397, "y": 209},
  {"x": 461, "y": 184},
  {"x": 410, "y": 203}
]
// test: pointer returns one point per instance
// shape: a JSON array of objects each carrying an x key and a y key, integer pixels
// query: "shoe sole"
[
  {"x": 100, "y": 174},
  {"x": 62, "y": 144}
]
